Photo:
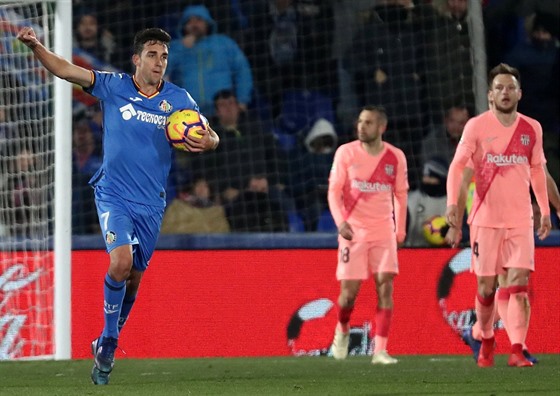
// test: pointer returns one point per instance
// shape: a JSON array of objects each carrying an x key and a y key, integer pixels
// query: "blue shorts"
[{"x": 129, "y": 223}]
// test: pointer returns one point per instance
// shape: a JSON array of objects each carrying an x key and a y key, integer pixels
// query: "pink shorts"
[
  {"x": 359, "y": 260},
  {"x": 496, "y": 249}
]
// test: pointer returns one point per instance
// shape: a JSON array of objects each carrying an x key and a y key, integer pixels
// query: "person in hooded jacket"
[{"x": 206, "y": 62}]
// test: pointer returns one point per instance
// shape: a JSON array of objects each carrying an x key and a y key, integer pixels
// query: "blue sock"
[
  {"x": 113, "y": 292},
  {"x": 127, "y": 304}
]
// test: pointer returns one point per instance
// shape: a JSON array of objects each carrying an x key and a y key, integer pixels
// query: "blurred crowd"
[{"x": 282, "y": 81}]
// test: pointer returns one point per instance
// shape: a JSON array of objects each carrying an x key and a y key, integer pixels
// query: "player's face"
[
  {"x": 505, "y": 93},
  {"x": 151, "y": 63},
  {"x": 370, "y": 126}
]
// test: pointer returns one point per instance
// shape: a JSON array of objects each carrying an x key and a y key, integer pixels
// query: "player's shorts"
[
  {"x": 359, "y": 260},
  {"x": 496, "y": 249},
  {"x": 129, "y": 223}
]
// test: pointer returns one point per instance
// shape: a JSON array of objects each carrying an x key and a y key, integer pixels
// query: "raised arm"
[{"x": 54, "y": 63}]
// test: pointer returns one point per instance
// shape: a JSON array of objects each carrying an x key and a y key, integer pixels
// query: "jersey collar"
[{"x": 158, "y": 90}]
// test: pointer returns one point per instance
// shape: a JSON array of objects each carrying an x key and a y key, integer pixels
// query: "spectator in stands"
[
  {"x": 537, "y": 57},
  {"x": 90, "y": 37},
  {"x": 245, "y": 149},
  {"x": 21, "y": 190},
  {"x": 255, "y": 210},
  {"x": 205, "y": 62},
  {"x": 85, "y": 162},
  {"x": 194, "y": 211},
  {"x": 504, "y": 24},
  {"x": 385, "y": 65},
  {"x": 427, "y": 201},
  {"x": 290, "y": 46},
  {"x": 442, "y": 140},
  {"x": 309, "y": 172},
  {"x": 447, "y": 56}
]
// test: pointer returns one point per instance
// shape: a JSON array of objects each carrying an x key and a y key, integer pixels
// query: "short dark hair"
[
  {"x": 503, "y": 68},
  {"x": 224, "y": 94},
  {"x": 150, "y": 35},
  {"x": 378, "y": 109}
]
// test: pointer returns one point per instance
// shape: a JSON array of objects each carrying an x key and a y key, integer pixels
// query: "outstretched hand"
[{"x": 28, "y": 37}]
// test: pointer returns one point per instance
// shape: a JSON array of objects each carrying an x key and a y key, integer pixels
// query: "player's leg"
[
  {"x": 350, "y": 271},
  {"x": 502, "y": 300},
  {"x": 518, "y": 314},
  {"x": 383, "y": 317},
  {"x": 503, "y": 296},
  {"x": 349, "y": 290},
  {"x": 486, "y": 244},
  {"x": 147, "y": 226},
  {"x": 519, "y": 255},
  {"x": 383, "y": 262},
  {"x": 132, "y": 285},
  {"x": 114, "y": 289}
]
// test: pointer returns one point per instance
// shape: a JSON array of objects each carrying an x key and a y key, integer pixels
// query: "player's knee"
[
  {"x": 119, "y": 269},
  {"x": 485, "y": 290},
  {"x": 347, "y": 299}
]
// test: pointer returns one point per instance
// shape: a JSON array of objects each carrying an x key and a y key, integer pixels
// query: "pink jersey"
[
  {"x": 502, "y": 158},
  {"x": 361, "y": 189}
]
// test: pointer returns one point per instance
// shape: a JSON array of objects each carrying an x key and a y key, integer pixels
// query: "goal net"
[
  {"x": 313, "y": 65},
  {"x": 27, "y": 189}
]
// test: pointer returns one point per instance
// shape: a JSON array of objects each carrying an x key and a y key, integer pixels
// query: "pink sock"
[
  {"x": 485, "y": 314},
  {"x": 383, "y": 318},
  {"x": 476, "y": 332},
  {"x": 344, "y": 314},
  {"x": 380, "y": 344},
  {"x": 518, "y": 314},
  {"x": 502, "y": 297}
]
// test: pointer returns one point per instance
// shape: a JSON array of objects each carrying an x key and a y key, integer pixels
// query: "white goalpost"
[{"x": 36, "y": 186}]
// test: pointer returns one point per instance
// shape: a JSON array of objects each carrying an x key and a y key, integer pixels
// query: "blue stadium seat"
[
  {"x": 300, "y": 108},
  {"x": 295, "y": 222},
  {"x": 326, "y": 222}
]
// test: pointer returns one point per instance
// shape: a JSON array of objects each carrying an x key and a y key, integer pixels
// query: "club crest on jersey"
[
  {"x": 525, "y": 140},
  {"x": 110, "y": 237},
  {"x": 389, "y": 169},
  {"x": 165, "y": 106}
]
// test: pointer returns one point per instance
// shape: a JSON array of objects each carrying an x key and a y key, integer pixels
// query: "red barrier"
[
  {"x": 26, "y": 304},
  {"x": 280, "y": 302}
]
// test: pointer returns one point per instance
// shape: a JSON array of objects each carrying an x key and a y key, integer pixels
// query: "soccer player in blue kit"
[{"x": 130, "y": 185}]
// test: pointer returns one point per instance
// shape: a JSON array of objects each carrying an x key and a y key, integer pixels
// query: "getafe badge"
[
  {"x": 165, "y": 106},
  {"x": 110, "y": 237}
]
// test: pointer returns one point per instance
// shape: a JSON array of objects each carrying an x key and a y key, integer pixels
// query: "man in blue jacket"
[{"x": 205, "y": 62}]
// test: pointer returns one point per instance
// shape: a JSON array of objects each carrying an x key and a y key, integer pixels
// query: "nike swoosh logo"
[
  {"x": 111, "y": 311},
  {"x": 137, "y": 99}
]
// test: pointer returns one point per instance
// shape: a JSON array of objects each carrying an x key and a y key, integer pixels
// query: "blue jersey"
[{"x": 136, "y": 154}]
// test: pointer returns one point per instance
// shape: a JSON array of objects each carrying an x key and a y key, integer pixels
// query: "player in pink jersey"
[
  {"x": 472, "y": 334},
  {"x": 367, "y": 196},
  {"x": 507, "y": 156}
]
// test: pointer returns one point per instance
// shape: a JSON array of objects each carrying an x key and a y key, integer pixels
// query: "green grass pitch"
[{"x": 413, "y": 375}]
